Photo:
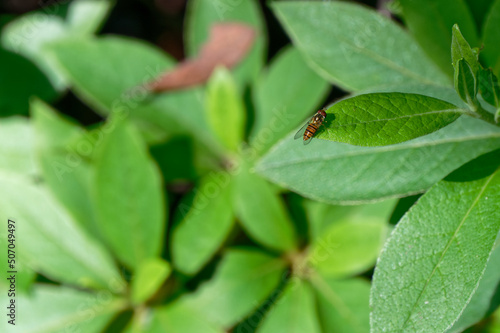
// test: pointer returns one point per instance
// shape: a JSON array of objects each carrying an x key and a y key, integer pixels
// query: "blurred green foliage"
[{"x": 196, "y": 211}]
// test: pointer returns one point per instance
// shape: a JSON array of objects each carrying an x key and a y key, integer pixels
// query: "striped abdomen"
[{"x": 310, "y": 130}]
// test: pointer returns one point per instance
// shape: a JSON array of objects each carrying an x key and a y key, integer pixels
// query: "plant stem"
[{"x": 485, "y": 115}]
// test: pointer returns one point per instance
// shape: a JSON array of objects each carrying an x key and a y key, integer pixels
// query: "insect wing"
[{"x": 300, "y": 132}]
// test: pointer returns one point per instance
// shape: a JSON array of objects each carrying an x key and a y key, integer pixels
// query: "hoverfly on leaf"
[{"x": 309, "y": 129}]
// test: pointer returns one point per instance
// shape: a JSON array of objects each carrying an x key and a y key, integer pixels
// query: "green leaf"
[
  {"x": 350, "y": 245},
  {"x": 431, "y": 24},
  {"x": 354, "y": 47},
  {"x": 17, "y": 148},
  {"x": 466, "y": 83},
  {"x": 52, "y": 243},
  {"x": 489, "y": 88},
  {"x": 479, "y": 304},
  {"x": 178, "y": 318},
  {"x": 225, "y": 110},
  {"x": 433, "y": 262},
  {"x": 128, "y": 196},
  {"x": 63, "y": 153},
  {"x": 205, "y": 224},
  {"x": 331, "y": 172},
  {"x": 203, "y": 14},
  {"x": 92, "y": 64},
  {"x": 494, "y": 324},
  {"x": 491, "y": 39},
  {"x": 343, "y": 304},
  {"x": 282, "y": 99},
  {"x": 460, "y": 49},
  {"x": 243, "y": 280},
  {"x": 262, "y": 213},
  {"x": 293, "y": 312},
  {"x": 59, "y": 309},
  {"x": 385, "y": 118},
  {"x": 16, "y": 92},
  {"x": 85, "y": 17},
  {"x": 148, "y": 278}
]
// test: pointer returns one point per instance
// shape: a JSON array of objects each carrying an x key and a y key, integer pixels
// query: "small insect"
[{"x": 307, "y": 131}]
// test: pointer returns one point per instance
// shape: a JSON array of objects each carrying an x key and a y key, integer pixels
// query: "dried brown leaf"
[{"x": 227, "y": 46}]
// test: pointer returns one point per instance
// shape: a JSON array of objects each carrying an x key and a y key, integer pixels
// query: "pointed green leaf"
[
  {"x": 437, "y": 255},
  {"x": 282, "y": 100},
  {"x": 431, "y": 24},
  {"x": 148, "y": 278},
  {"x": 491, "y": 39},
  {"x": 479, "y": 304},
  {"x": 60, "y": 309},
  {"x": 203, "y": 14},
  {"x": 243, "y": 280},
  {"x": 225, "y": 110},
  {"x": 343, "y": 304},
  {"x": 293, "y": 312},
  {"x": 128, "y": 195},
  {"x": 63, "y": 153},
  {"x": 460, "y": 49},
  {"x": 262, "y": 213},
  {"x": 385, "y": 118},
  {"x": 350, "y": 245},
  {"x": 354, "y": 47},
  {"x": 331, "y": 172},
  {"x": 85, "y": 17},
  {"x": 205, "y": 224},
  {"x": 52, "y": 243},
  {"x": 466, "y": 83}
]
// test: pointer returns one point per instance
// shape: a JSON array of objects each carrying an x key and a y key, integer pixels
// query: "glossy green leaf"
[
  {"x": 491, "y": 39},
  {"x": 465, "y": 82},
  {"x": 85, "y": 17},
  {"x": 178, "y": 318},
  {"x": 479, "y": 304},
  {"x": 354, "y": 47},
  {"x": 63, "y": 154},
  {"x": 350, "y": 245},
  {"x": 242, "y": 281},
  {"x": 331, "y": 172},
  {"x": 262, "y": 213},
  {"x": 203, "y": 14},
  {"x": 52, "y": 243},
  {"x": 91, "y": 65},
  {"x": 17, "y": 148},
  {"x": 128, "y": 195},
  {"x": 293, "y": 312},
  {"x": 433, "y": 262},
  {"x": 16, "y": 92},
  {"x": 225, "y": 110},
  {"x": 282, "y": 100},
  {"x": 148, "y": 278},
  {"x": 431, "y": 24},
  {"x": 57, "y": 309},
  {"x": 460, "y": 49},
  {"x": 343, "y": 304},
  {"x": 205, "y": 224},
  {"x": 385, "y": 118}
]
